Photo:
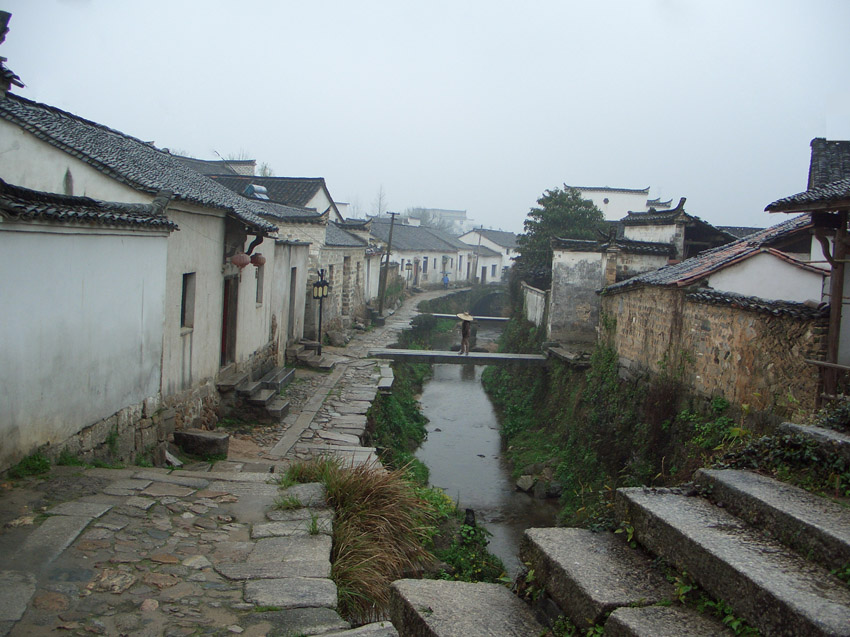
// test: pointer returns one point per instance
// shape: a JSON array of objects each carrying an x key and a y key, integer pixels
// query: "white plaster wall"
[
  {"x": 82, "y": 329},
  {"x": 193, "y": 354},
  {"x": 573, "y": 302},
  {"x": 619, "y": 203},
  {"x": 287, "y": 257},
  {"x": 29, "y": 162},
  {"x": 769, "y": 277},
  {"x": 253, "y": 320},
  {"x": 373, "y": 277},
  {"x": 657, "y": 234},
  {"x": 534, "y": 304}
]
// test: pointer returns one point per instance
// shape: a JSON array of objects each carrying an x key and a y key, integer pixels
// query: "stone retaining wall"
[{"x": 747, "y": 355}]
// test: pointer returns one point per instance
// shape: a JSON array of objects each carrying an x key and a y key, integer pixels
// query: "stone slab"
[
  {"x": 127, "y": 486},
  {"x": 55, "y": 534},
  {"x": 246, "y": 488},
  {"x": 436, "y": 608},
  {"x": 228, "y": 476},
  {"x": 812, "y": 525},
  {"x": 310, "y": 548},
  {"x": 173, "y": 477},
  {"x": 659, "y": 621},
  {"x": 301, "y": 621},
  {"x": 200, "y": 442},
  {"x": 309, "y": 494},
  {"x": 377, "y": 629},
  {"x": 832, "y": 440},
  {"x": 292, "y": 592},
  {"x": 77, "y": 507},
  {"x": 16, "y": 590},
  {"x": 278, "y": 515},
  {"x": 292, "y": 527},
  {"x": 785, "y": 594},
  {"x": 590, "y": 574},
  {"x": 336, "y": 436},
  {"x": 162, "y": 489},
  {"x": 279, "y": 570}
]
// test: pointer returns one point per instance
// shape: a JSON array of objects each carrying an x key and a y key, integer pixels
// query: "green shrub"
[{"x": 33, "y": 465}]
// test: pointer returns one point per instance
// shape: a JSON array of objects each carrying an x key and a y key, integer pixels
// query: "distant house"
[
  {"x": 827, "y": 199},
  {"x": 219, "y": 166},
  {"x": 217, "y": 316},
  {"x": 83, "y": 303},
  {"x": 617, "y": 202},
  {"x": 303, "y": 210},
  {"x": 453, "y": 222},
  {"x": 497, "y": 240},
  {"x": 738, "y": 320},
  {"x": 431, "y": 253}
]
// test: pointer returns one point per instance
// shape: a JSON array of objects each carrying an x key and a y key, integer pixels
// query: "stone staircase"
[
  {"x": 765, "y": 548},
  {"x": 262, "y": 396},
  {"x": 306, "y": 353}
]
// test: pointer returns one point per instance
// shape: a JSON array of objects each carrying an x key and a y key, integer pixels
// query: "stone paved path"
[{"x": 200, "y": 551}]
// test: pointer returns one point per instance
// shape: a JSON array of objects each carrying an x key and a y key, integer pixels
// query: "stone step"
[
  {"x": 377, "y": 629},
  {"x": 815, "y": 527},
  {"x": 278, "y": 408},
  {"x": 248, "y": 387},
  {"x": 607, "y": 575},
  {"x": 310, "y": 345},
  {"x": 435, "y": 608},
  {"x": 660, "y": 621},
  {"x": 230, "y": 381},
  {"x": 293, "y": 351},
  {"x": 765, "y": 583},
  {"x": 278, "y": 378},
  {"x": 261, "y": 397},
  {"x": 830, "y": 440}
]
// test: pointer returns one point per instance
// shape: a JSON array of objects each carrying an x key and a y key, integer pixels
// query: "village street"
[{"x": 202, "y": 549}]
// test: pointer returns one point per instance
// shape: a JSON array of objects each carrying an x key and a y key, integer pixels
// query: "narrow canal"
[{"x": 464, "y": 454}]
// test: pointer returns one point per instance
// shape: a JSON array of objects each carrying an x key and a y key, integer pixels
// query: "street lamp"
[{"x": 320, "y": 292}]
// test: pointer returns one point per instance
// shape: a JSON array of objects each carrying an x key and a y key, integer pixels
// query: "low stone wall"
[{"x": 748, "y": 351}]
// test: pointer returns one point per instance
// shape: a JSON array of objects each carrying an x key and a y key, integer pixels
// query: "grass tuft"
[
  {"x": 33, "y": 465},
  {"x": 380, "y": 528}
]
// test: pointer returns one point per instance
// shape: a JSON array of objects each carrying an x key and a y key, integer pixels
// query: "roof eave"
[{"x": 825, "y": 206}]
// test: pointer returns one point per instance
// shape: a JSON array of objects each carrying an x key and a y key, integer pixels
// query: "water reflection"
[{"x": 463, "y": 452}]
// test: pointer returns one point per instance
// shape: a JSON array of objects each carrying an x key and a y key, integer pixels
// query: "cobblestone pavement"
[{"x": 208, "y": 550}]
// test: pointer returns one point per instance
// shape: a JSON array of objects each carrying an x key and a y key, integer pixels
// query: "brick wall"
[{"x": 748, "y": 356}]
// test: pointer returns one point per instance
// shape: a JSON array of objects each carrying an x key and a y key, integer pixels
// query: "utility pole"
[{"x": 382, "y": 281}]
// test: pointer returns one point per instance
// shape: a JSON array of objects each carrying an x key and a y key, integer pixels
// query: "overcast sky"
[{"x": 474, "y": 105}]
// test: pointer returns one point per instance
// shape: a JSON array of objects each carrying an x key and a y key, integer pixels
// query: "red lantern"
[
  {"x": 257, "y": 259},
  {"x": 240, "y": 260}
]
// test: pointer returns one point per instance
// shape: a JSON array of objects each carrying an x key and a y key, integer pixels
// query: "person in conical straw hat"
[{"x": 465, "y": 331}]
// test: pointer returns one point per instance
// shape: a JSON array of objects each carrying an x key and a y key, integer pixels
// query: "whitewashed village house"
[
  {"x": 82, "y": 335},
  {"x": 338, "y": 247},
  {"x": 497, "y": 240},
  {"x": 650, "y": 240},
  {"x": 216, "y": 317}
]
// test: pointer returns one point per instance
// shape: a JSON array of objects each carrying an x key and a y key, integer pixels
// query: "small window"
[
  {"x": 259, "y": 275},
  {"x": 492, "y": 270},
  {"x": 424, "y": 265},
  {"x": 187, "y": 302}
]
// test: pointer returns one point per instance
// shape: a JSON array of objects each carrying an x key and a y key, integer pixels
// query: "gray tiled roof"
[
  {"x": 23, "y": 204},
  {"x": 410, "y": 237},
  {"x": 756, "y": 304},
  {"x": 126, "y": 159},
  {"x": 706, "y": 263},
  {"x": 217, "y": 166},
  {"x": 292, "y": 191},
  {"x": 337, "y": 237},
  {"x": 820, "y": 198},
  {"x": 830, "y": 161},
  {"x": 739, "y": 231},
  {"x": 629, "y": 246},
  {"x": 500, "y": 237},
  {"x": 280, "y": 212}
]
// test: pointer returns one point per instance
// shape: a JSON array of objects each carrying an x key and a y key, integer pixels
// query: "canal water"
[{"x": 464, "y": 454}]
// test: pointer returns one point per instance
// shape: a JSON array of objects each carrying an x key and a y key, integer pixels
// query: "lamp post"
[{"x": 320, "y": 292}]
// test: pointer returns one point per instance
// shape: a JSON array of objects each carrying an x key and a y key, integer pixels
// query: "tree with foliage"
[{"x": 562, "y": 213}]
